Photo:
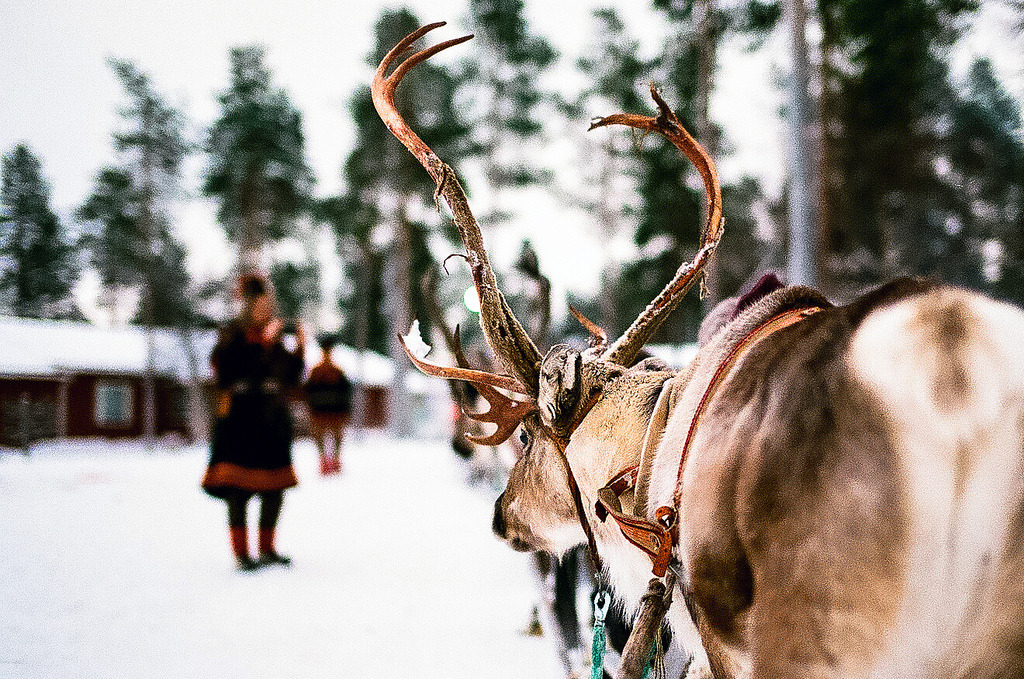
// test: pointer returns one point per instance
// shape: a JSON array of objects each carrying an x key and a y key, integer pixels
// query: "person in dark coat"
[
  {"x": 250, "y": 446},
  {"x": 329, "y": 397}
]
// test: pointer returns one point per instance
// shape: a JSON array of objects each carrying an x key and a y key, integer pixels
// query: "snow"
[
  {"x": 46, "y": 348},
  {"x": 113, "y": 564}
]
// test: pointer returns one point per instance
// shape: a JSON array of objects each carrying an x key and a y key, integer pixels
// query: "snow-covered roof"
[
  {"x": 39, "y": 348},
  {"x": 48, "y": 348}
]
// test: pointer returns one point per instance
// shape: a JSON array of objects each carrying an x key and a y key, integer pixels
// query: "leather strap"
[
  {"x": 657, "y": 537},
  {"x": 652, "y": 537},
  {"x": 766, "y": 329},
  {"x": 562, "y": 443}
]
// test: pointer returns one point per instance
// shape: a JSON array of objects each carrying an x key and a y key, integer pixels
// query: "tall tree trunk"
[
  {"x": 254, "y": 226},
  {"x": 362, "y": 333},
  {"x": 803, "y": 268},
  {"x": 707, "y": 134},
  {"x": 399, "y": 264},
  {"x": 147, "y": 227},
  {"x": 828, "y": 119},
  {"x": 197, "y": 418}
]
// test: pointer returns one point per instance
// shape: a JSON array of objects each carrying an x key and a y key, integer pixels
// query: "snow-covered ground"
[{"x": 115, "y": 565}]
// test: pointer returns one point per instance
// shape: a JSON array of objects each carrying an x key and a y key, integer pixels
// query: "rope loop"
[{"x": 602, "y": 600}]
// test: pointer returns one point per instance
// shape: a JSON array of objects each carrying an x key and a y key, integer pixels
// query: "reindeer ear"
[{"x": 560, "y": 382}]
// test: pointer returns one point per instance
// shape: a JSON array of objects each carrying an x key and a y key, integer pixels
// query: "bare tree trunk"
[
  {"x": 827, "y": 114},
  {"x": 198, "y": 416},
  {"x": 63, "y": 400},
  {"x": 608, "y": 222},
  {"x": 802, "y": 194},
  {"x": 149, "y": 384},
  {"x": 707, "y": 134},
  {"x": 398, "y": 286},
  {"x": 147, "y": 224},
  {"x": 362, "y": 334}
]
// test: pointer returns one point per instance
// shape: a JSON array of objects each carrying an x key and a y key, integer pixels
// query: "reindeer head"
[{"x": 574, "y": 407}]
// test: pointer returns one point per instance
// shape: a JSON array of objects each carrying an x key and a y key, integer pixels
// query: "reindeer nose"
[{"x": 498, "y": 524}]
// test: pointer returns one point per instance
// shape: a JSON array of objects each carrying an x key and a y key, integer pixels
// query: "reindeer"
[{"x": 838, "y": 490}]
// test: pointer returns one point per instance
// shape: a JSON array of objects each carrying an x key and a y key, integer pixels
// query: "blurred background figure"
[
  {"x": 250, "y": 447},
  {"x": 329, "y": 396}
]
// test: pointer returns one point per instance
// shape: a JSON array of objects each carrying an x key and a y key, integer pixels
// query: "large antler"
[
  {"x": 505, "y": 412},
  {"x": 504, "y": 333},
  {"x": 626, "y": 347}
]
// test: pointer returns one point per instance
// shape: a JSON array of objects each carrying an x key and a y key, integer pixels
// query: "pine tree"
[
  {"x": 39, "y": 261},
  {"x": 386, "y": 216},
  {"x": 133, "y": 246},
  {"x": 118, "y": 253},
  {"x": 885, "y": 91},
  {"x": 296, "y": 286},
  {"x": 501, "y": 82},
  {"x": 983, "y": 170},
  {"x": 384, "y": 220},
  {"x": 666, "y": 215},
  {"x": 257, "y": 167},
  {"x": 361, "y": 297},
  {"x": 616, "y": 77},
  {"x": 171, "y": 300}
]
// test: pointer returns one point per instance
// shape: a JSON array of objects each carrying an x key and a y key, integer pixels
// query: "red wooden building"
[{"x": 67, "y": 379}]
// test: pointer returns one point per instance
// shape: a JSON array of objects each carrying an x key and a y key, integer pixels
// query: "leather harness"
[
  {"x": 562, "y": 443},
  {"x": 657, "y": 537}
]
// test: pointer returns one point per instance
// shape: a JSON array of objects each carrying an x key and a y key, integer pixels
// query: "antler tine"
[
  {"x": 460, "y": 355},
  {"x": 598, "y": 335},
  {"x": 505, "y": 412},
  {"x": 505, "y": 334},
  {"x": 383, "y": 91},
  {"x": 626, "y": 347},
  {"x": 477, "y": 377}
]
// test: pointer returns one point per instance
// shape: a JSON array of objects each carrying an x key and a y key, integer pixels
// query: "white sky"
[{"x": 58, "y": 94}]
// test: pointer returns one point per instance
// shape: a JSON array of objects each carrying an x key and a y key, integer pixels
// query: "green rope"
[
  {"x": 597, "y": 649},
  {"x": 600, "y": 643},
  {"x": 649, "y": 666}
]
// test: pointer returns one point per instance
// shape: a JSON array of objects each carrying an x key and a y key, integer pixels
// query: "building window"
[{"x": 114, "y": 401}]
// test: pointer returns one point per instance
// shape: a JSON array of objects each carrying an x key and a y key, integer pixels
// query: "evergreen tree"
[
  {"x": 361, "y": 298},
  {"x": 983, "y": 171},
  {"x": 257, "y": 167},
  {"x": 296, "y": 286},
  {"x": 172, "y": 298},
  {"x": 667, "y": 213},
  {"x": 384, "y": 220},
  {"x": 884, "y": 96},
  {"x": 616, "y": 77},
  {"x": 39, "y": 261},
  {"x": 133, "y": 246},
  {"x": 501, "y": 81},
  {"x": 118, "y": 253},
  {"x": 920, "y": 175}
]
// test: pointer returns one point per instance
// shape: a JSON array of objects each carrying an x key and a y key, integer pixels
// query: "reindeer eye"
[{"x": 524, "y": 438}]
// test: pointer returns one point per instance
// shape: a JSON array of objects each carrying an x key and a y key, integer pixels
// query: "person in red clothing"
[
  {"x": 251, "y": 442},
  {"x": 329, "y": 397}
]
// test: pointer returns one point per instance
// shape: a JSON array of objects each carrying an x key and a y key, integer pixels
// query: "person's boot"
[
  {"x": 269, "y": 555},
  {"x": 240, "y": 547}
]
